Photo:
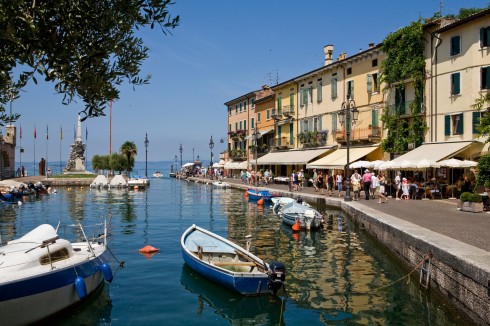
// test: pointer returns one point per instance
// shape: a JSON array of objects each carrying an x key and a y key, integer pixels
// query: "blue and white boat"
[
  {"x": 42, "y": 274},
  {"x": 307, "y": 217},
  {"x": 230, "y": 265},
  {"x": 255, "y": 194}
]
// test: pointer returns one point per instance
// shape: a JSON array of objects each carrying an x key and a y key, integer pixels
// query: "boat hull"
[
  {"x": 254, "y": 195},
  {"x": 245, "y": 283},
  {"x": 294, "y": 212},
  {"x": 34, "y": 298}
]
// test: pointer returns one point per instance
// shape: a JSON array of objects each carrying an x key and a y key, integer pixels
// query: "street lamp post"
[
  {"x": 256, "y": 136},
  {"x": 180, "y": 150},
  {"x": 147, "y": 142},
  {"x": 347, "y": 109},
  {"x": 211, "y": 146}
]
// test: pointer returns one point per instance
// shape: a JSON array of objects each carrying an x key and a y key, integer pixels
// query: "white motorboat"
[
  {"x": 280, "y": 202},
  {"x": 221, "y": 184},
  {"x": 137, "y": 182},
  {"x": 42, "y": 274},
  {"x": 157, "y": 175},
  {"x": 307, "y": 217}
]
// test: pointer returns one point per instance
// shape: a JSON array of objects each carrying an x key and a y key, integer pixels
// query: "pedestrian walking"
[
  {"x": 339, "y": 180},
  {"x": 366, "y": 182},
  {"x": 382, "y": 183}
]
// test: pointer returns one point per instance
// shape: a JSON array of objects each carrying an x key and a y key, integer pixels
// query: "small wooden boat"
[
  {"x": 255, "y": 194},
  {"x": 42, "y": 274},
  {"x": 307, "y": 217},
  {"x": 230, "y": 265}
]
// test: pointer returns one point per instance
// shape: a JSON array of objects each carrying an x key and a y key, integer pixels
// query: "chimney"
[
  {"x": 371, "y": 45},
  {"x": 328, "y": 50},
  {"x": 342, "y": 56}
]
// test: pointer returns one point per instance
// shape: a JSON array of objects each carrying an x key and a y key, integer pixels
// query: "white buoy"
[{"x": 19, "y": 203}]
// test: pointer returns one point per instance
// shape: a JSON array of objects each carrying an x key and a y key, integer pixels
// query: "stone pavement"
[{"x": 440, "y": 216}]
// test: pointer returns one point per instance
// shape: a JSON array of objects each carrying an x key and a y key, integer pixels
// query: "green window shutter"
[
  {"x": 374, "y": 118},
  {"x": 319, "y": 95},
  {"x": 455, "y": 45},
  {"x": 486, "y": 77},
  {"x": 447, "y": 125},
  {"x": 291, "y": 134},
  {"x": 482, "y": 37},
  {"x": 455, "y": 83},
  {"x": 334, "y": 122},
  {"x": 476, "y": 121},
  {"x": 291, "y": 100},
  {"x": 334, "y": 87},
  {"x": 245, "y": 124},
  {"x": 229, "y": 127},
  {"x": 369, "y": 83},
  {"x": 459, "y": 127},
  {"x": 252, "y": 123},
  {"x": 486, "y": 40}
]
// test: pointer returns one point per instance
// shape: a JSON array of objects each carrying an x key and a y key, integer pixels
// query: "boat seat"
[{"x": 234, "y": 263}]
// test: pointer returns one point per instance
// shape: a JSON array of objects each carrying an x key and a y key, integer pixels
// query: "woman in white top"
[{"x": 338, "y": 179}]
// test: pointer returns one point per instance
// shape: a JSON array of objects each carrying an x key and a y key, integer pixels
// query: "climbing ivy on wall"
[{"x": 404, "y": 51}]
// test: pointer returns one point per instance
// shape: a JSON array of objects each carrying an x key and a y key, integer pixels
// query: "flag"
[
  {"x": 47, "y": 137},
  {"x": 20, "y": 132},
  {"x": 86, "y": 133},
  {"x": 34, "y": 132},
  {"x": 61, "y": 133}
]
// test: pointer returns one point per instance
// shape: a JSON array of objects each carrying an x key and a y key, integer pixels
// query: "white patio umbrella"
[
  {"x": 469, "y": 164},
  {"x": 388, "y": 165},
  {"x": 454, "y": 163},
  {"x": 376, "y": 164},
  {"x": 360, "y": 164},
  {"x": 426, "y": 163}
]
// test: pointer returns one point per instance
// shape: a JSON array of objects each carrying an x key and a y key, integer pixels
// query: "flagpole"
[
  {"x": 34, "y": 149},
  {"x": 21, "y": 150},
  {"x": 86, "y": 146},
  {"x": 46, "y": 165},
  {"x": 110, "y": 130},
  {"x": 61, "y": 138}
]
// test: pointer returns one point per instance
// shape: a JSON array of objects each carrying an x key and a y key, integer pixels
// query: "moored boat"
[
  {"x": 307, "y": 217},
  {"x": 230, "y": 265},
  {"x": 157, "y": 174},
  {"x": 255, "y": 194},
  {"x": 280, "y": 202},
  {"x": 42, "y": 274},
  {"x": 221, "y": 184}
]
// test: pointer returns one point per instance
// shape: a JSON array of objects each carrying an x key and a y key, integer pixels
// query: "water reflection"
[{"x": 239, "y": 310}]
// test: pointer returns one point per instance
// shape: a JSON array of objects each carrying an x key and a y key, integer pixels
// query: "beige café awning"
[
  {"x": 338, "y": 158},
  {"x": 290, "y": 157},
  {"x": 442, "y": 151},
  {"x": 236, "y": 165},
  {"x": 262, "y": 132}
]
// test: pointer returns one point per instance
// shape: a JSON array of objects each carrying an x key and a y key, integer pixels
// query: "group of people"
[{"x": 248, "y": 177}]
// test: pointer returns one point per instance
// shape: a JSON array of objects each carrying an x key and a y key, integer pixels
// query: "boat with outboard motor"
[
  {"x": 42, "y": 274},
  {"x": 307, "y": 217},
  {"x": 230, "y": 265},
  {"x": 280, "y": 202},
  {"x": 257, "y": 194}
]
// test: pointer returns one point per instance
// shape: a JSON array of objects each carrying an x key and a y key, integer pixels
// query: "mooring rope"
[{"x": 429, "y": 255}]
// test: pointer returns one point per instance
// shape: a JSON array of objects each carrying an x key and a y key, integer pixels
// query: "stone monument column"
[{"x": 76, "y": 160}]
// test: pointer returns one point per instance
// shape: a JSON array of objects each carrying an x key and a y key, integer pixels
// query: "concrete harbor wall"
[{"x": 459, "y": 271}]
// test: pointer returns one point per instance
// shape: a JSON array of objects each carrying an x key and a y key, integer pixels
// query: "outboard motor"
[
  {"x": 299, "y": 200},
  {"x": 277, "y": 276}
]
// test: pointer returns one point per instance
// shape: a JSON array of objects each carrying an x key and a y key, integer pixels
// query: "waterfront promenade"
[{"x": 455, "y": 244}]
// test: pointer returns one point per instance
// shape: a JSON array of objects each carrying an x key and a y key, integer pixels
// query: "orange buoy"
[
  {"x": 245, "y": 194},
  {"x": 296, "y": 236},
  {"x": 296, "y": 226},
  {"x": 260, "y": 201},
  {"x": 148, "y": 249}
]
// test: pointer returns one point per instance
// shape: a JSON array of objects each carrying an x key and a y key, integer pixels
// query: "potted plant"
[
  {"x": 487, "y": 188},
  {"x": 470, "y": 202}
]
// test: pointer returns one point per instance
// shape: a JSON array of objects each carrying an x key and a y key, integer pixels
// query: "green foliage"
[
  {"x": 86, "y": 48},
  {"x": 129, "y": 150},
  {"x": 404, "y": 51},
  {"x": 487, "y": 184},
  {"x": 118, "y": 162},
  {"x": 470, "y": 197},
  {"x": 483, "y": 175},
  {"x": 483, "y": 104}
]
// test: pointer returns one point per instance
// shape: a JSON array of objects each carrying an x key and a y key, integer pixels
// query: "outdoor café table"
[{"x": 281, "y": 180}]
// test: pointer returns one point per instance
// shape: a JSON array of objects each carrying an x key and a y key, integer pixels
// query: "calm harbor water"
[{"x": 335, "y": 276}]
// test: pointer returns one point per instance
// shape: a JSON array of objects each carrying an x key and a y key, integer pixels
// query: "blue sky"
[{"x": 222, "y": 50}]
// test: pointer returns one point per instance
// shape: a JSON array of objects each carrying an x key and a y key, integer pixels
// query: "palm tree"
[{"x": 129, "y": 150}]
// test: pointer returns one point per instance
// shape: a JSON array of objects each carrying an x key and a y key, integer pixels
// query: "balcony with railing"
[
  {"x": 313, "y": 138},
  {"x": 276, "y": 114},
  {"x": 237, "y": 154},
  {"x": 360, "y": 135},
  {"x": 288, "y": 110},
  {"x": 282, "y": 143},
  {"x": 405, "y": 108}
]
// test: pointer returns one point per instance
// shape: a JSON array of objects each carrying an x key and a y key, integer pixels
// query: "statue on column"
[{"x": 76, "y": 161}]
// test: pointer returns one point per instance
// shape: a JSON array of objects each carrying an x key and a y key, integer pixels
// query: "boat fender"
[
  {"x": 260, "y": 201},
  {"x": 245, "y": 194},
  {"x": 107, "y": 272},
  {"x": 148, "y": 249},
  {"x": 296, "y": 227},
  {"x": 80, "y": 287}
]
